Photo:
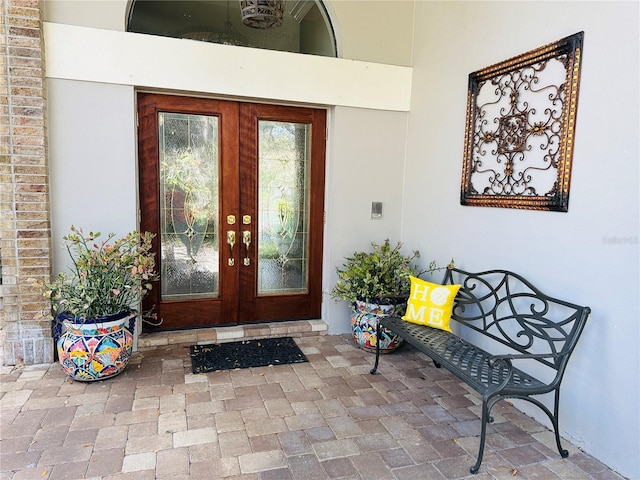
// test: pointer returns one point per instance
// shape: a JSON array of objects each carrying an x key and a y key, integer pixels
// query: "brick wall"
[{"x": 25, "y": 235}]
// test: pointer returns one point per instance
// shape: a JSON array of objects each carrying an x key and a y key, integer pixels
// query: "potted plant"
[
  {"x": 376, "y": 283},
  {"x": 93, "y": 307}
]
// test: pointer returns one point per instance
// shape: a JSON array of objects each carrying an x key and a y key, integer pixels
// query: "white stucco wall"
[
  {"x": 572, "y": 255},
  {"x": 92, "y": 158},
  {"x": 365, "y": 164}
]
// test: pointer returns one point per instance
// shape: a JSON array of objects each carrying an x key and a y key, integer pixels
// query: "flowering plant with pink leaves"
[{"x": 106, "y": 277}]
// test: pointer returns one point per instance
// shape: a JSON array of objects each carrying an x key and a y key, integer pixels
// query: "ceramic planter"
[
  {"x": 364, "y": 324},
  {"x": 95, "y": 349}
]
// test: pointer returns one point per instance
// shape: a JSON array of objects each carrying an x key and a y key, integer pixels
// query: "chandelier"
[{"x": 262, "y": 13}]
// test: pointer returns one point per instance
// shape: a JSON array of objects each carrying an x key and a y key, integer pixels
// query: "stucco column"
[{"x": 25, "y": 234}]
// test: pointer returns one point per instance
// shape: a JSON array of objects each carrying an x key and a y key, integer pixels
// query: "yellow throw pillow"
[{"x": 430, "y": 304}]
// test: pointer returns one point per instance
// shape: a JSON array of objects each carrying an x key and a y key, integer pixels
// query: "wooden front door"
[{"x": 234, "y": 193}]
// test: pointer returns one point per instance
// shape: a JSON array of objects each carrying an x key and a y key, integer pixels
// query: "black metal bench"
[{"x": 504, "y": 313}]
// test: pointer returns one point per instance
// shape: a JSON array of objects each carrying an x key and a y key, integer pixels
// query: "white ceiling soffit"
[{"x": 149, "y": 61}]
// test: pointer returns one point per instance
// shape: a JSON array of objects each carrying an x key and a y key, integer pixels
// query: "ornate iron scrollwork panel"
[{"x": 519, "y": 134}]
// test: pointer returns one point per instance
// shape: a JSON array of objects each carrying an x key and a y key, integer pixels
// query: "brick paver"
[{"x": 325, "y": 419}]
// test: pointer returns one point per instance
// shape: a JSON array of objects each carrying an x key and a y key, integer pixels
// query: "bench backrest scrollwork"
[{"x": 505, "y": 307}]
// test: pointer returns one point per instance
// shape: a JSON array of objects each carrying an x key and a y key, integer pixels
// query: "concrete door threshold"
[{"x": 295, "y": 329}]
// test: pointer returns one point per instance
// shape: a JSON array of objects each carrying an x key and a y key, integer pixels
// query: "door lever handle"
[
  {"x": 246, "y": 239},
  {"x": 231, "y": 240}
]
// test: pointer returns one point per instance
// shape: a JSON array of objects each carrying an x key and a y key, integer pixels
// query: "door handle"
[
  {"x": 231, "y": 240},
  {"x": 246, "y": 239}
]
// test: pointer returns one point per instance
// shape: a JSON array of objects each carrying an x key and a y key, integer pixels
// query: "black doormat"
[{"x": 245, "y": 354}]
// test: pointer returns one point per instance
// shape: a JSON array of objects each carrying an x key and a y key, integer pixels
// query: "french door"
[{"x": 235, "y": 195}]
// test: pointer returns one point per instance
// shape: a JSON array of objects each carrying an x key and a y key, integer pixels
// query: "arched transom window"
[{"x": 299, "y": 26}]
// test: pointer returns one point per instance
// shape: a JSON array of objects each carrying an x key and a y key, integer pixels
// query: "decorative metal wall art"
[{"x": 519, "y": 134}]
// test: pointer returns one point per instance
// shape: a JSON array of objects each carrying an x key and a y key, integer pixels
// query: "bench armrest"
[{"x": 507, "y": 360}]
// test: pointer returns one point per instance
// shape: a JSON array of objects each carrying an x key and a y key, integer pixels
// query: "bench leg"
[
  {"x": 554, "y": 420},
  {"x": 487, "y": 405},
  {"x": 563, "y": 452},
  {"x": 485, "y": 420},
  {"x": 378, "y": 334}
]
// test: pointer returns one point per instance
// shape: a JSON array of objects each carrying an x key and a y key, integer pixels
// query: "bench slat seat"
[{"x": 469, "y": 363}]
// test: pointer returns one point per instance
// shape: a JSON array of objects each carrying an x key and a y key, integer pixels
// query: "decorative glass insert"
[
  {"x": 520, "y": 128},
  {"x": 188, "y": 205},
  {"x": 283, "y": 210}
]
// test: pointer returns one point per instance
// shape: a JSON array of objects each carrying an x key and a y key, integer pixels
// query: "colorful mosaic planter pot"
[
  {"x": 95, "y": 349},
  {"x": 364, "y": 324}
]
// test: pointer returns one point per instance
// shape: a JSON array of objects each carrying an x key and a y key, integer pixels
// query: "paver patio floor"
[{"x": 325, "y": 419}]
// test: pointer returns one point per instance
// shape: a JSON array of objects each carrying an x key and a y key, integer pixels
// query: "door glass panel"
[
  {"x": 283, "y": 206},
  {"x": 188, "y": 153}
]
